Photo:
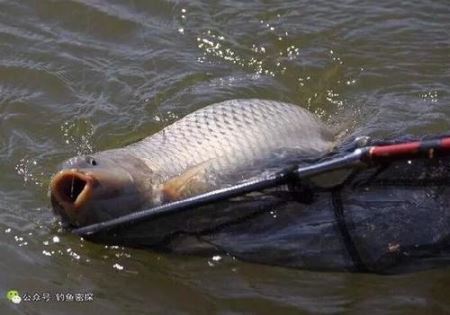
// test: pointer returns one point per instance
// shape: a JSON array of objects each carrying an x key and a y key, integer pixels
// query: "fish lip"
[{"x": 58, "y": 184}]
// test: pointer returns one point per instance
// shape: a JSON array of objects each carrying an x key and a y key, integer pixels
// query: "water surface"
[{"x": 81, "y": 76}]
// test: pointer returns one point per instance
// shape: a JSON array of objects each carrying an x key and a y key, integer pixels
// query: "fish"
[{"x": 216, "y": 146}]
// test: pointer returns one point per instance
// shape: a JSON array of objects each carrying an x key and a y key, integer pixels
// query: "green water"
[{"x": 81, "y": 76}]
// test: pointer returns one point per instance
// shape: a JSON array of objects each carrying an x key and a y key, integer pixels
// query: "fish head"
[{"x": 94, "y": 188}]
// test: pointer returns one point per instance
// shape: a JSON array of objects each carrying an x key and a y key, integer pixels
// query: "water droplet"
[{"x": 118, "y": 267}]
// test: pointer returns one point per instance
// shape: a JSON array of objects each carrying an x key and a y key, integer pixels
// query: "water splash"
[
  {"x": 321, "y": 91},
  {"x": 430, "y": 96},
  {"x": 215, "y": 45},
  {"x": 28, "y": 169},
  {"x": 79, "y": 135}
]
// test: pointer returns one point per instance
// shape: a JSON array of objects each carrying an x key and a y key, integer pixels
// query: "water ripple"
[{"x": 81, "y": 76}]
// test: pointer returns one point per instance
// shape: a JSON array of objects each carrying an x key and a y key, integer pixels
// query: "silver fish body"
[{"x": 207, "y": 149}]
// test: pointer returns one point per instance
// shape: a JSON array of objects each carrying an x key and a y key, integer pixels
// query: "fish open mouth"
[{"x": 71, "y": 188}]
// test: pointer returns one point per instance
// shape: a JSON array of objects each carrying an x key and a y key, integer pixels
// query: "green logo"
[{"x": 13, "y": 296}]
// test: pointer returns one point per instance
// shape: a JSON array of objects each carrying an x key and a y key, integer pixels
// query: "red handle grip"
[{"x": 410, "y": 148}]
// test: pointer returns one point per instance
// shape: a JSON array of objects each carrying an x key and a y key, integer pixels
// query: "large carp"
[
  {"x": 386, "y": 218},
  {"x": 218, "y": 144}
]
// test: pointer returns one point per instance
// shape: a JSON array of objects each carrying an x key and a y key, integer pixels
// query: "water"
[{"x": 81, "y": 76}]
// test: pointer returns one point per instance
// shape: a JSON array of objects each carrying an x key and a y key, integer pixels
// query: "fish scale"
[{"x": 232, "y": 134}]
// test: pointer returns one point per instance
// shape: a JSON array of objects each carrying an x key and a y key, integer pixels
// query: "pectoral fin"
[{"x": 189, "y": 183}]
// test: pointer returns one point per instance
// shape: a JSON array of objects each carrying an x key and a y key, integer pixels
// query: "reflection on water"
[{"x": 80, "y": 76}]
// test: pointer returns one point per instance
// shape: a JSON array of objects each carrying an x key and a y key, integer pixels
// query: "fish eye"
[{"x": 91, "y": 160}]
